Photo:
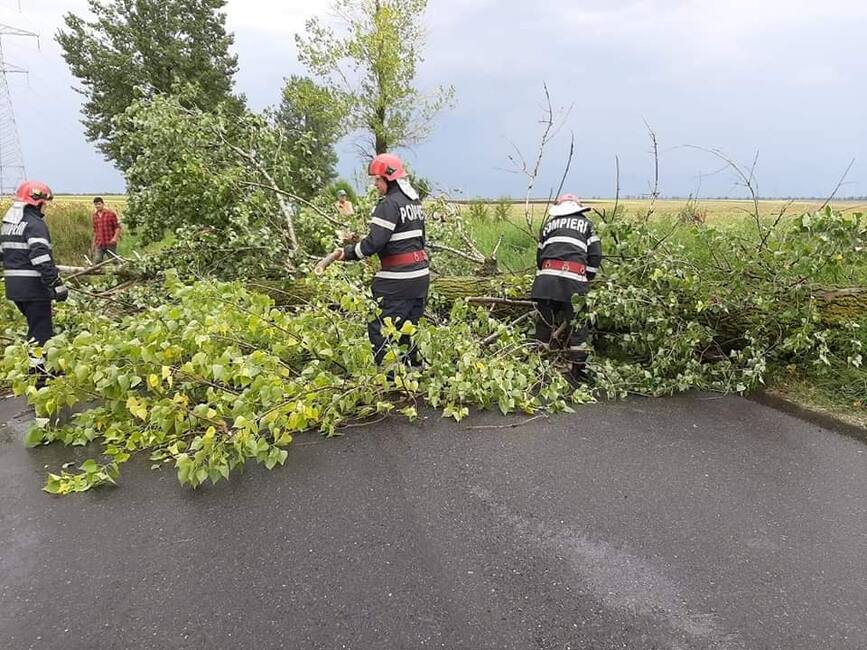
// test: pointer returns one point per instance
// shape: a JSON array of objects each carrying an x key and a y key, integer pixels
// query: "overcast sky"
[{"x": 786, "y": 78}]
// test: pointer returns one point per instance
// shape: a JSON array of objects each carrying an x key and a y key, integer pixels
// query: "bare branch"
[
  {"x": 603, "y": 213},
  {"x": 776, "y": 223},
  {"x": 454, "y": 251},
  {"x": 79, "y": 271},
  {"x": 552, "y": 123},
  {"x": 568, "y": 165},
  {"x": 295, "y": 197},
  {"x": 617, "y": 191},
  {"x": 497, "y": 247},
  {"x": 753, "y": 169},
  {"x": 655, "y": 192},
  {"x": 839, "y": 185},
  {"x": 747, "y": 180}
]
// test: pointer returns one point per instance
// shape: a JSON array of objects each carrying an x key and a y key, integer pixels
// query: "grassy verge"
[{"x": 825, "y": 398}]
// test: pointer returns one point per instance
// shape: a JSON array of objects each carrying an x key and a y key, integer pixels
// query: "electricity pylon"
[{"x": 12, "y": 170}]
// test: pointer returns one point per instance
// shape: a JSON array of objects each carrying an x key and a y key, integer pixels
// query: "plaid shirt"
[{"x": 105, "y": 226}]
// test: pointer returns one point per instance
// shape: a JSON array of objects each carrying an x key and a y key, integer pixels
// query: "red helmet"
[
  {"x": 563, "y": 198},
  {"x": 567, "y": 204},
  {"x": 34, "y": 193},
  {"x": 388, "y": 166}
]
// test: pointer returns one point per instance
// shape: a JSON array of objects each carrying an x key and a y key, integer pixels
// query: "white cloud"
[
  {"x": 273, "y": 17},
  {"x": 706, "y": 32}
]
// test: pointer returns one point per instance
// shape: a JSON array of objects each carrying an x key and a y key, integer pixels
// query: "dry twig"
[
  {"x": 552, "y": 122},
  {"x": 513, "y": 425},
  {"x": 839, "y": 185},
  {"x": 496, "y": 335},
  {"x": 654, "y": 194}
]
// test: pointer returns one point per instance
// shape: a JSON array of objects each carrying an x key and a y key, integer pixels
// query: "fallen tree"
[
  {"x": 835, "y": 304},
  {"x": 204, "y": 375},
  {"x": 223, "y": 345}
]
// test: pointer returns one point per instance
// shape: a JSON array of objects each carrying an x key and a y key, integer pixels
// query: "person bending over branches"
[{"x": 568, "y": 257}]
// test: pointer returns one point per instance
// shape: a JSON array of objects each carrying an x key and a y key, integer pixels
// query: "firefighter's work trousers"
[
  {"x": 39, "y": 324},
  {"x": 400, "y": 310},
  {"x": 558, "y": 318}
]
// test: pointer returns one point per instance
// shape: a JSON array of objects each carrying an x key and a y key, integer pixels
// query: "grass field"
[
  {"x": 517, "y": 250},
  {"x": 715, "y": 211},
  {"x": 112, "y": 200},
  {"x": 69, "y": 220}
]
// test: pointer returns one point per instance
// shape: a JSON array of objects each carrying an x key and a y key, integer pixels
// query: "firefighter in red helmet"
[
  {"x": 397, "y": 236},
  {"x": 31, "y": 277}
]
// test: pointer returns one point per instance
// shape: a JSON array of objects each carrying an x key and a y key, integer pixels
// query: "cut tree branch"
[
  {"x": 295, "y": 197},
  {"x": 285, "y": 208},
  {"x": 496, "y": 335},
  {"x": 454, "y": 251}
]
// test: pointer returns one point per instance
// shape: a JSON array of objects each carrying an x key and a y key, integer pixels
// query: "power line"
[{"x": 12, "y": 169}]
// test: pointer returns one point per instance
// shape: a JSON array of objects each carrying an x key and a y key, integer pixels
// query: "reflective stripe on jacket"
[
  {"x": 396, "y": 227},
  {"x": 566, "y": 247},
  {"x": 28, "y": 266}
]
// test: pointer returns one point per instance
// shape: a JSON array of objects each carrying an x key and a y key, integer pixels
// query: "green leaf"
[
  {"x": 35, "y": 437},
  {"x": 90, "y": 466},
  {"x": 53, "y": 485}
]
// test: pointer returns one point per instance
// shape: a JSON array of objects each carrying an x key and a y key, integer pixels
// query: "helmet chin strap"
[{"x": 407, "y": 189}]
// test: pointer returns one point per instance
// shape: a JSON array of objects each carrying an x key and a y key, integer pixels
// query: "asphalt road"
[{"x": 693, "y": 522}]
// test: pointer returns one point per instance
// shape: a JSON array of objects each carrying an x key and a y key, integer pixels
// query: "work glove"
[
  {"x": 348, "y": 238},
  {"x": 61, "y": 293}
]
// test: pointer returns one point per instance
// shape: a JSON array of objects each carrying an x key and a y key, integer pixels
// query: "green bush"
[
  {"x": 503, "y": 209},
  {"x": 477, "y": 211}
]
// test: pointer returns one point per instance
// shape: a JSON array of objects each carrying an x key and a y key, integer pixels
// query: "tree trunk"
[
  {"x": 835, "y": 304},
  {"x": 446, "y": 288},
  {"x": 839, "y": 305}
]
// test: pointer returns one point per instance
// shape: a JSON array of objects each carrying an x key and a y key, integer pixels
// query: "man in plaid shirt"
[{"x": 106, "y": 231}]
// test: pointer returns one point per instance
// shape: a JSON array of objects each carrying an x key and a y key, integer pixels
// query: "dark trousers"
[
  {"x": 400, "y": 310},
  {"x": 555, "y": 317},
  {"x": 99, "y": 253},
  {"x": 39, "y": 324}
]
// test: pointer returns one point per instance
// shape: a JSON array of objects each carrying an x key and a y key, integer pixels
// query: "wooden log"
[
  {"x": 447, "y": 289},
  {"x": 451, "y": 288},
  {"x": 836, "y": 304}
]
